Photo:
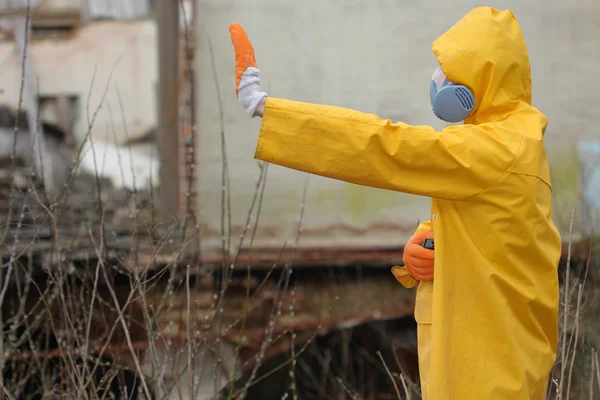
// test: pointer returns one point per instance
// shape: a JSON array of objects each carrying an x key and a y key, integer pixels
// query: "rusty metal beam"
[
  {"x": 318, "y": 326},
  {"x": 267, "y": 257}
]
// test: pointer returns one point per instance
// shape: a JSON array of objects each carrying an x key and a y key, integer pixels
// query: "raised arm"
[
  {"x": 456, "y": 163},
  {"x": 348, "y": 145}
]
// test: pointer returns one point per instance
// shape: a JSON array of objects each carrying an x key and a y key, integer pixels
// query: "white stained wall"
[
  {"x": 119, "y": 9},
  {"x": 111, "y": 69},
  {"x": 104, "y": 60},
  {"x": 373, "y": 56}
]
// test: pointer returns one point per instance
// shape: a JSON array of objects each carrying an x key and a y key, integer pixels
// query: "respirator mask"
[{"x": 450, "y": 102}]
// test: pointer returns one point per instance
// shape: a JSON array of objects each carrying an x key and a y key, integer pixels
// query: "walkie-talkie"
[{"x": 428, "y": 244}]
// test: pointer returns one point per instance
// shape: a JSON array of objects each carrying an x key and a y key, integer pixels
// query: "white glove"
[{"x": 249, "y": 94}]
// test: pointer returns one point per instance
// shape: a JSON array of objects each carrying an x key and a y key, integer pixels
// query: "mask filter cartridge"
[{"x": 450, "y": 102}]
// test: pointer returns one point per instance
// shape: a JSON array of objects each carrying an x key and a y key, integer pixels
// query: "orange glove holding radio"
[{"x": 418, "y": 259}]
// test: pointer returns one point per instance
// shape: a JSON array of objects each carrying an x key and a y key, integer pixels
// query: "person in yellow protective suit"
[{"x": 488, "y": 321}]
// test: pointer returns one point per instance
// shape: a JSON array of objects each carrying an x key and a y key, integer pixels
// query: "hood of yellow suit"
[{"x": 486, "y": 52}]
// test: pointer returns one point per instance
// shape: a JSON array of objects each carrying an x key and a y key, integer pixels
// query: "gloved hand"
[
  {"x": 247, "y": 75},
  {"x": 417, "y": 259}
]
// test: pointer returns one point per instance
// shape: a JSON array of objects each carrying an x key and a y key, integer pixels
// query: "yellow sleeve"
[
  {"x": 401, "y": 273},
  {"x": 338, "y": 143}
]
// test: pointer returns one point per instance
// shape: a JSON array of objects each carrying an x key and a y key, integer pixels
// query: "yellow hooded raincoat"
[{"x": 488, "y": 323}]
